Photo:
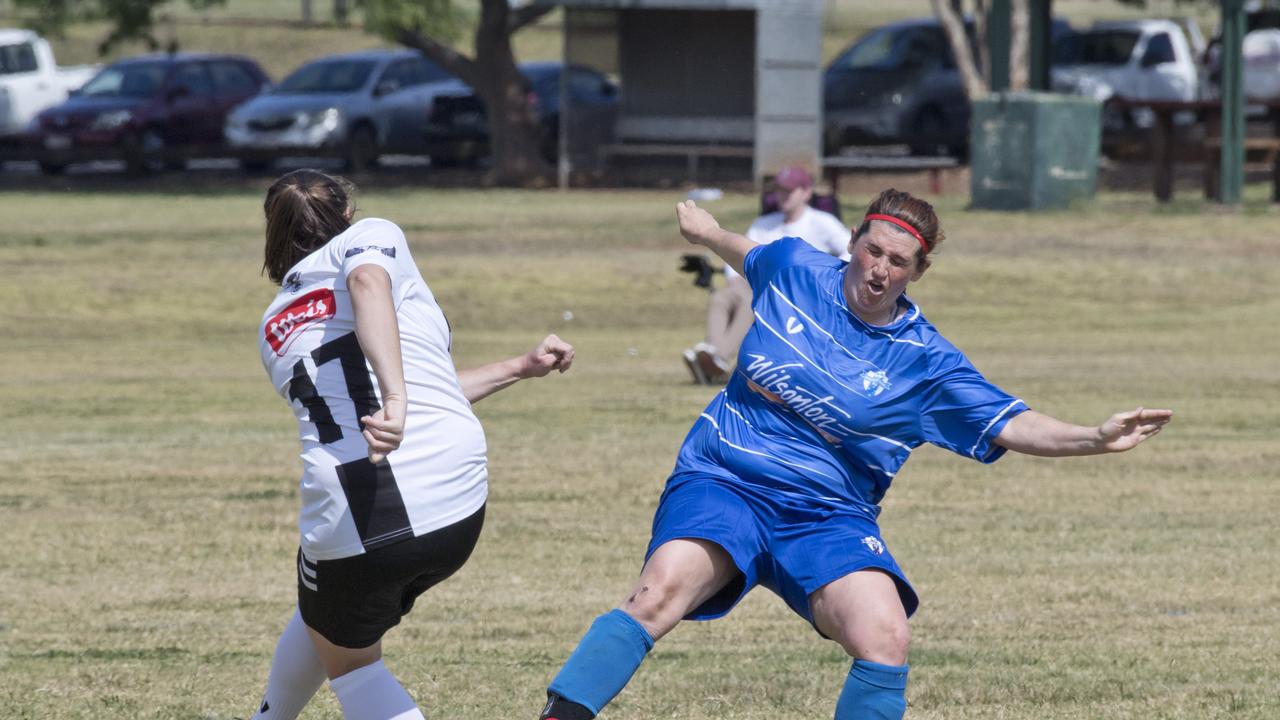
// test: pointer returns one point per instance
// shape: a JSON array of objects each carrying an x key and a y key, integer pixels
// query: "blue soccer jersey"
[{"x": 827, "y": 407}]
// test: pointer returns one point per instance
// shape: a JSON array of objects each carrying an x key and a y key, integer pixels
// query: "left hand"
[
  {"x": 550, "y": 354},
  {"x": 1123, "y": 431},
  {"x": 384, "y": 429}
]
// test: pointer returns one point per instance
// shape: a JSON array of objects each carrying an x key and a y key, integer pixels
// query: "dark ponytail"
[{"x": 305, "y": 209}]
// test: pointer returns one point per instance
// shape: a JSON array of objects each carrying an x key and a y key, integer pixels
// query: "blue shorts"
[{"x": 788, "y": 545}]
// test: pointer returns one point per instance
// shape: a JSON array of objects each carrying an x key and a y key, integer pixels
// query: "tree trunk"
[
  {"x": 1020, "y": 45},
  {"x": 306, "y": 12},
  {"x": 514, "y": 129},
  {"x": 975, "y": 85},
  {"x": 341, "y": 11},
  {"x": 980, "y": 36},
  {"x": 515, "y": 133}
]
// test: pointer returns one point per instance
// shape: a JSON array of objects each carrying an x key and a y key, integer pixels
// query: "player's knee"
[
  {"x": 886, "y": 642},
  {"x": 657, "y": 603}
]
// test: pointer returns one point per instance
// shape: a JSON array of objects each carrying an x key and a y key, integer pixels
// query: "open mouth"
[{"x": 875, "y": 286}]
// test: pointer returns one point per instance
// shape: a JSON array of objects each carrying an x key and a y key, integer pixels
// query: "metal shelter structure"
[{"x": 711, "y": 78}]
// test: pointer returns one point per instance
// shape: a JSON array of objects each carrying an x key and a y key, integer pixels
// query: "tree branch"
[
  {"x": 525, "y": 15},
  {"x": 974, "y": 84},
  {"x": 456, "y": 63},
  {"x": 980, "y": 18},
  {"x": 1020, "y": 45}
]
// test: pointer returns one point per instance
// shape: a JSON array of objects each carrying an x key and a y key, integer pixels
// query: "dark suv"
[
  {"x": 148, "y": 108},
  {"x": 899, "y": 84},
  {"x": 458, "y": 130}
]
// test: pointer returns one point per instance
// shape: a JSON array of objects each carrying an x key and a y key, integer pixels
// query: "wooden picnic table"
[
  {"x": 1162, "y": 140},
  {"x": 834, "y": 165}
]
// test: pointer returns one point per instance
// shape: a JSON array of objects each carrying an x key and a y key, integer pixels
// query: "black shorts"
[{"x": 353, "y": 601}]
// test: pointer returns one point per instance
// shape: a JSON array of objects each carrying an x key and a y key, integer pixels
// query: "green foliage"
[
  {"x": 128, "y": 19},
  {"x": 442, "y": 20}
]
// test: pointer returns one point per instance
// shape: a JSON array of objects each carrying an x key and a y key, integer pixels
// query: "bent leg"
[
  {"x": 365, "y": 688},
  {"x": 720, "y": 308},
  {"x": 741, "y": 318},
  {"x": 679, "y": 576},
  {"x": 863, "y": 612}
]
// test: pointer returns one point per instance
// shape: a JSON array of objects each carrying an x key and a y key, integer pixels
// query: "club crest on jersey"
[
  {"x": 293, "y": 283},
  {"x": 873, "y": 544},
  {"x": 875, "y": 381},
  {"x": 308, "y": 309},
  {"x": 389, "y": 252}
]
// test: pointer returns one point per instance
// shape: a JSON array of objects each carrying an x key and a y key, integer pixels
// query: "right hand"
[
  {"x": 696, "y": 224},
  {"x": 550, "y": 354},
  {"x": 384, "y": 429}
]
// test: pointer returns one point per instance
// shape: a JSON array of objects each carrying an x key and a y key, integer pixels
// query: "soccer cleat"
[
  {"x": 558, "y": 708},
  {"x": 714, "y": 369},
  {"x": 691, "y": 362}
]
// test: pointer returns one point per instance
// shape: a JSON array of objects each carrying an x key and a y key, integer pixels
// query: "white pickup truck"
[
  {"x": 30, "y": 80},
  {"x": 1133, "y": 59}
]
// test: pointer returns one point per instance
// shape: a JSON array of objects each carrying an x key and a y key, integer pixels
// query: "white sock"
[
  {"x": 373, "y": 693},
  {"x": 296, "y": 674}
]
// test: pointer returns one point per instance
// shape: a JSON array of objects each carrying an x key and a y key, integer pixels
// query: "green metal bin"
[{"x": 1033, "y": 150}]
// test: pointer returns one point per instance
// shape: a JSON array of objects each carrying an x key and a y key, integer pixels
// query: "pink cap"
[{"x": 792, "y": 177}]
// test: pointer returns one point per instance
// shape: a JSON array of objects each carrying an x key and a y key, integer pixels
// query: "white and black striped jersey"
[{"x": 438, "y": 475}]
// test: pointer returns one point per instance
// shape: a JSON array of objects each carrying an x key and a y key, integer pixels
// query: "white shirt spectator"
[{"x": 818, "y": 228}]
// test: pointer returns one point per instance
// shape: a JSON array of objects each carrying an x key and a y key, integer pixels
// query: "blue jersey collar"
[{"x": 906, "y": 318}]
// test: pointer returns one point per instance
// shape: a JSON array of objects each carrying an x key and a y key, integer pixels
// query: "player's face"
[
  {"x": 793, "y": 200},
  {"x": 884, "y": 261}
]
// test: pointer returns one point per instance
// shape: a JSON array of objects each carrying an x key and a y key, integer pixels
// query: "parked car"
[
  {"x": 358, "y": 105},
  {"x": 899, "y": 85},
  {"x": 1133, "y": 59},
  {"x": 148, "y": 108},
  {"x": 459, "y": 127},
  {"x": 31, "y": 81}
]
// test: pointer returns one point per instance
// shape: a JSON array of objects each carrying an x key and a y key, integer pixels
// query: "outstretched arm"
[
  {"x": 550, "y": 354},
  {"x": 1035, "y": 433},
  {"x": 700, "y": 228}
]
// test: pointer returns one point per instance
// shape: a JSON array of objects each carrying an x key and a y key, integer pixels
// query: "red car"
[{"x": 148, "y": 109}]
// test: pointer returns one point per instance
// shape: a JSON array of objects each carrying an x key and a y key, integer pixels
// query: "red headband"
[{"x": 902, "y": 224}]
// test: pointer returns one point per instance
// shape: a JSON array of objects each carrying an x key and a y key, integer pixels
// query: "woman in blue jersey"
[{"x": 779, "y": 481}]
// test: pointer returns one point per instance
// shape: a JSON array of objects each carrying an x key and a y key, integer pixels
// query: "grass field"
[{"x": 149, "y": 500}]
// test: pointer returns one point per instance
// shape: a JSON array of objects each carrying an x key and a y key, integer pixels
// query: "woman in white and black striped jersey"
[{"x": 394, "y": 475}]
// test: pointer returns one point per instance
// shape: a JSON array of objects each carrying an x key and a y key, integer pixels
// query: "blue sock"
[
  {"x": 604, "y": 661},
  {"x": 873, "y": 692}
]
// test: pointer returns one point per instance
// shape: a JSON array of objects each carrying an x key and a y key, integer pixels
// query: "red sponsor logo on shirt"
[{"x": 313, "y": 307}]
